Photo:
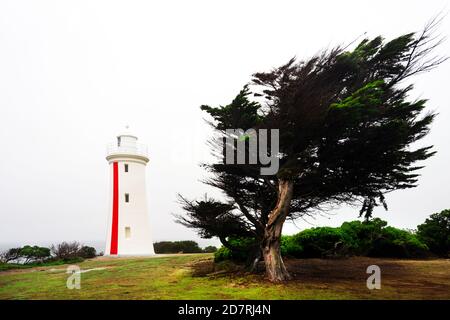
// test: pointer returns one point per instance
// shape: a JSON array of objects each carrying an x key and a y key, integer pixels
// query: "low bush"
[
  {"x": 239, "y": 250},
  {"x": 396, "y": 243},
  {"x": 87, "y": 252},
  {"x": 360, "y": 235},
  {"x": 177, "y": 247},
  {"x": 210, "y": 249},
  {"x": 367, "y": 238},
  {"x": 223, "y": 254},
  {"x": 289, "y": 247},
  {"x": 315, "y": 243}
]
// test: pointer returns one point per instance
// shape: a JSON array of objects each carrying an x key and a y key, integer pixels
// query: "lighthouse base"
[{"x": 130, "y": 255}]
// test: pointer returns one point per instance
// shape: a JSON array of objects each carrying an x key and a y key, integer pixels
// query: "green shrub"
[
  {"x": 187, "y": 246},
  {"x": 290, "y": 248},
  {"x": 242, "y": 249},
  {"x": 316, "y": 243},
  {"x": 396, "y": 243},
  {"x": 360, "y": 235},
  {"x": 222, "y": 254},
  {"x": 87, "y": 252},
  {"x": 435, "y": 233},
  {"x": 365, "y": 238},
  {"x": 210, "y": 249}
]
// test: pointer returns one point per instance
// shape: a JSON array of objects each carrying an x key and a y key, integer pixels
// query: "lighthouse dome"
[
  {"x": 126, "y": 133},
  {"x": 126, "y": 145}
]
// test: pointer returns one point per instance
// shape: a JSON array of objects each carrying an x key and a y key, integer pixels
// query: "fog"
[{"x": 74, "y": 73}]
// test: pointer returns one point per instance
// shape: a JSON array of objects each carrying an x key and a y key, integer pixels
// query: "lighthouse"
[{"x": 128, "y": 221}]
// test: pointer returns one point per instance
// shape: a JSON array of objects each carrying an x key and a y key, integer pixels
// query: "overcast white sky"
[{"x": 73, "y": 73}]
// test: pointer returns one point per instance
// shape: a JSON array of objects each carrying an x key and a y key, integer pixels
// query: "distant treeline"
[
  {"x": 186, "y": 246},
  {"x": 73, "y": 252},
  {"x": 65, "y": 252}
]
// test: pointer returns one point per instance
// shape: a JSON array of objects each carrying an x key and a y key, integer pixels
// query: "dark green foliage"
[
  {"x": 289, "y": 247},
  {"x": 372, "y": 238},
  {"x": 34, "y": 253},
  {"x": 360, "y": 235},
  {"x": 346, "y": 132},
  {"x": 212, "y": 219},
  {"x": 187, "y": 246},
  {"x": 241, "y": 113},
  {"x": 367, "y": 238},
  {"x": 318, "y": 242},
  {"x": 237, "y": 249},
  {"x": 87, "y": 252},
  {"x": 210, "y": 249},
  {"x": 346, "y": 127},
  {"x": 223, "y": 254},
  {"x": 396, "y": 243},
  {"x": 345, "y": 123},
  {"x": 435, "y": 233}
]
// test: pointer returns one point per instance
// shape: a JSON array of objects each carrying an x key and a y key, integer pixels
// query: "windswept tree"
[
  {"x": 10, "y": 255},
  {"x": 346, "y": 129}
]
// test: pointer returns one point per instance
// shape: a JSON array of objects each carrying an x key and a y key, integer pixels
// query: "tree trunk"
[{"x": 275, "y": 269}]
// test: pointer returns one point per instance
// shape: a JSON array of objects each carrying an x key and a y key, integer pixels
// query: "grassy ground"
[{"x": 195, "y": 277}]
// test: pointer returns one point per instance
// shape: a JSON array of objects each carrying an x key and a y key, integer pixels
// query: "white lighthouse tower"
[{"x": 128, "y": 221}]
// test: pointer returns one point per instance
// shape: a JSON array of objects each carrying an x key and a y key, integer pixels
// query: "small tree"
[
  {"x": 34, "y": 253},
  {"x": 66, "y": 250},
  {"x": 435, "y": 233}
]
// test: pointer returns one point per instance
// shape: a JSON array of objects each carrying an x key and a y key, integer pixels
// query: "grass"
[
  {"x": 14, "y": 266},
  {"x": 196, "y": 277}
]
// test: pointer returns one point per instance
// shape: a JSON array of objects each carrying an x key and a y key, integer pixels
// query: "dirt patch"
[
  {"x": 355, "y": 268},
  {"x": 207, "y": 268},
  {"x": 401, "y": 279},
  {"x": 202, "y": 268},
  {"x": 405, "y": 279},
  {"x": 81, "y": 270}
]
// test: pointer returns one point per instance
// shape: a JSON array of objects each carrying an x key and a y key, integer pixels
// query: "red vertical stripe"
[{"x": 115, "y": 211}]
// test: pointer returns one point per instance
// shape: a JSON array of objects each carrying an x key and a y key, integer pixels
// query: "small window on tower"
[
  {"x": 126, "y": 167},
  {"x": 127, "y": 197},
  {"x": 127, "y": 233}
]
